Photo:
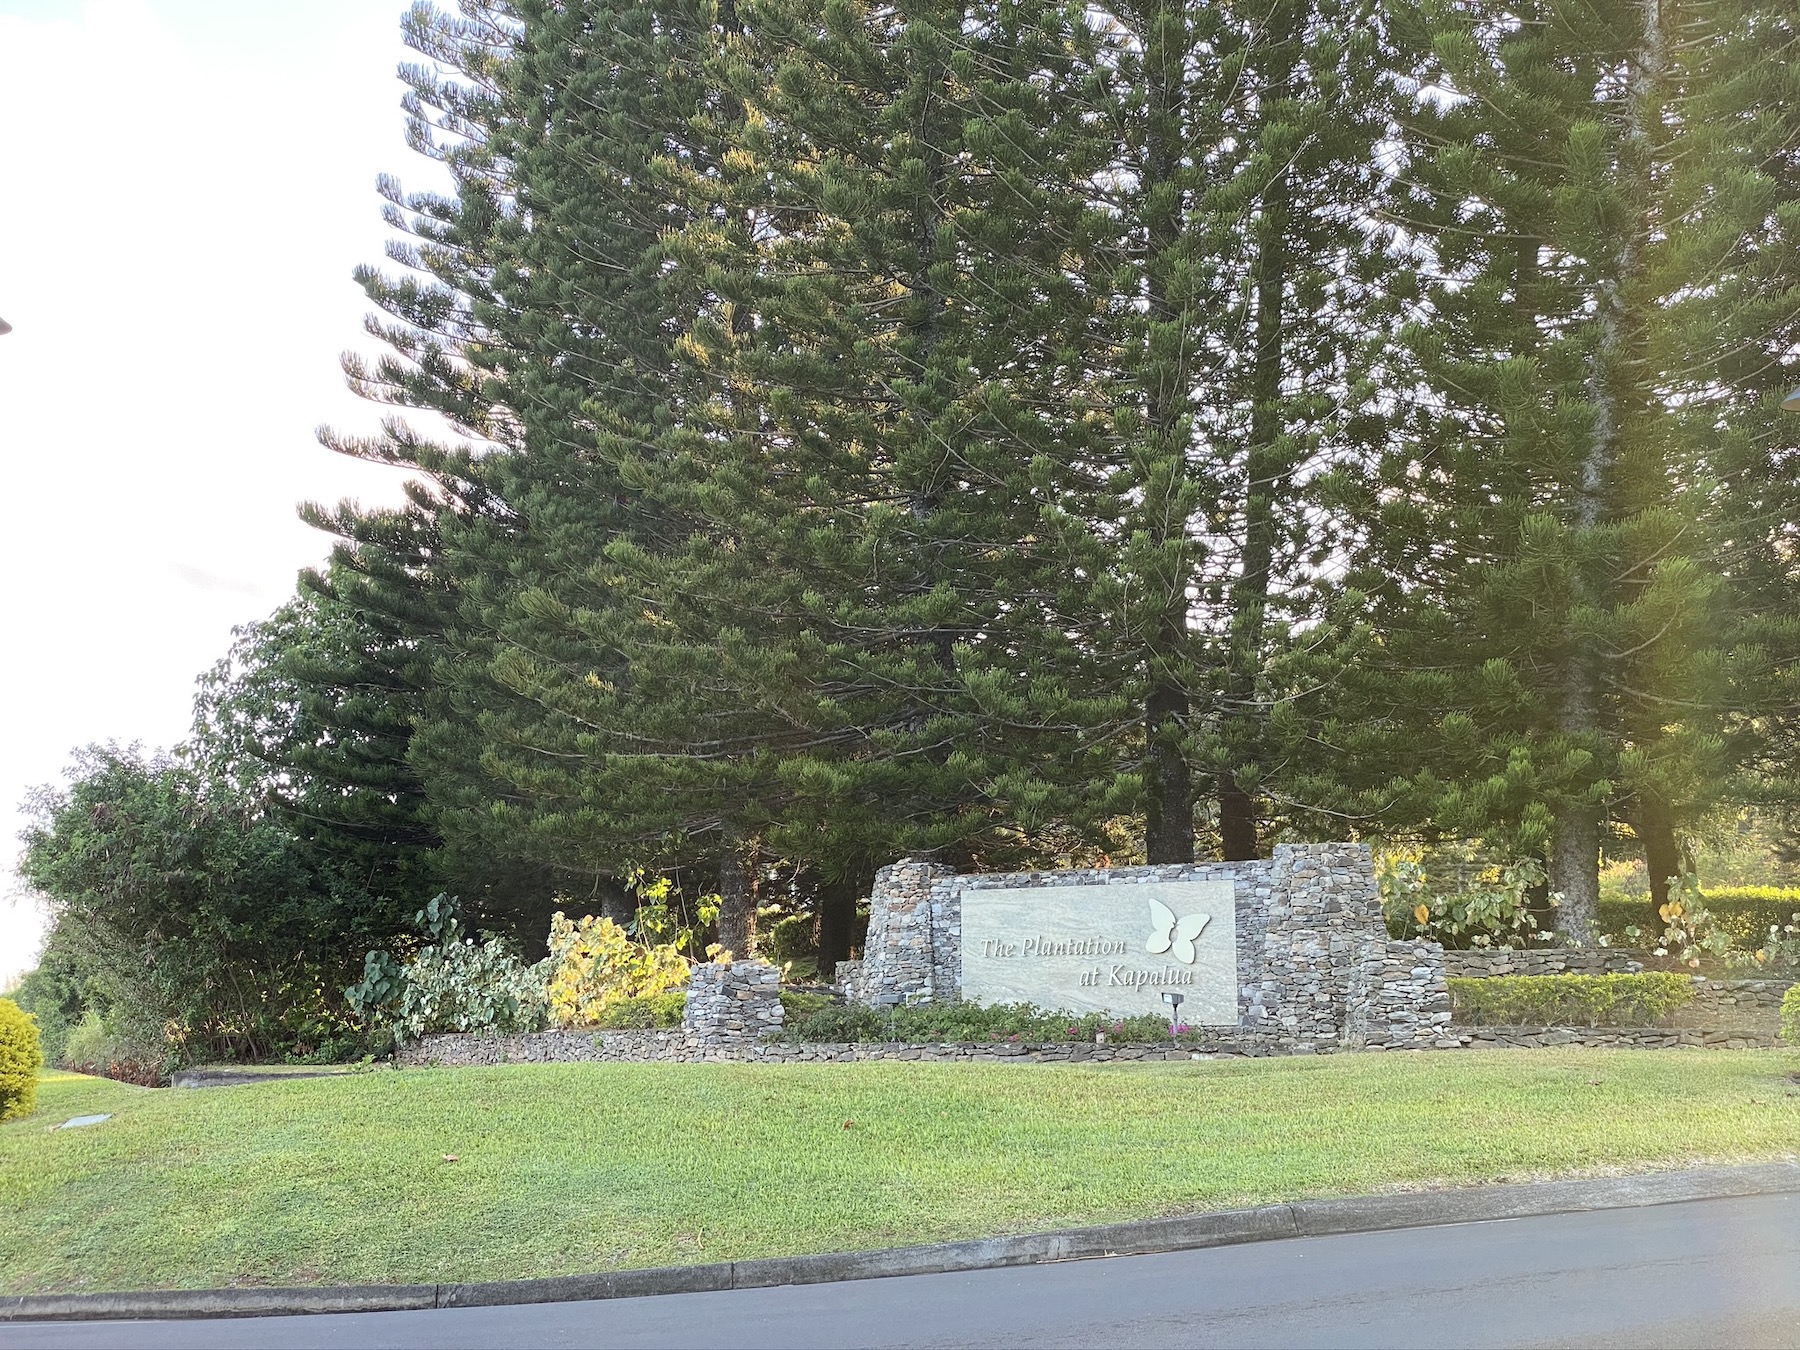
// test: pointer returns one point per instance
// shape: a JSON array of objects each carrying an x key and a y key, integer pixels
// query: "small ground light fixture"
[
  {"x": 1173, "y": 999},
  {"x": 1792, "y": 402}
]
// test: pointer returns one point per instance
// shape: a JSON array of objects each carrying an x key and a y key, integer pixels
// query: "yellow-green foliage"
[
  {"x": 1569, "y": 1000},
  {"x": 1790, "y": 1016},
  {"x": 21, "y": 1056},
  {"x": 594, "y": 963}
]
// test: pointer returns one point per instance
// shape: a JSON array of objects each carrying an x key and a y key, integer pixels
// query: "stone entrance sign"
[
  {"x": 1287, "y": 953},
  {"x": 1105, "y": 949}
]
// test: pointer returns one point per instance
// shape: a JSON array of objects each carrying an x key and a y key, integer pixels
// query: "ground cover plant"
[
  {"x": 816, "y": 1018},
  {"x": 523, "y": 1170}
]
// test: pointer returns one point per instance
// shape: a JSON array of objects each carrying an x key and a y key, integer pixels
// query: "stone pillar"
[
  {"x": 1324, "y": 919},
  {"x": 1403, "y": 1002},
  {"x": 901, "y": 962},
  {"x": 732, "y": 1004}
]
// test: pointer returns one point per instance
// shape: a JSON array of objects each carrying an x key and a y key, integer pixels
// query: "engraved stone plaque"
[{"x": 1110, "y": 949}]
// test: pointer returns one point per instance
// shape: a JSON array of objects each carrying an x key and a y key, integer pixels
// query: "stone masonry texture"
[
  {"x": 1542, "y": 961},
  {"x": 1313, "y": 951},
  {"x": 732, "y": 1003}
]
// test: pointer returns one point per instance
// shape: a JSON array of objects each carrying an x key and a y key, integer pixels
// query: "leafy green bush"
[
  {"x": 90, "y": 1044},
  {"x": 789, "y": 941},
  {"x": 1748, "y": 913},
  {"x": 1782, "y": 897},
  {"x": 195, "y": 919},
  {"x": 21, "y": 1057},
  {"x": 1616, "y": 916},
  {"x": 55, "y": 993},
  {"x": 1790, "y": 1016},
  {"x": 1457, "y": 898},
  {"x": 642, "y": 1012},
  {"x": 453, "y": 984},
  {"x": 945, "y": 1023},
  {"x": 797, "y": 1004},
  {"x": 1569, "y": 1000}
]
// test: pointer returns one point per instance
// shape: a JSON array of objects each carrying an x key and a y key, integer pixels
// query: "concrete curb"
[{"x": 1303, "y": 1218}]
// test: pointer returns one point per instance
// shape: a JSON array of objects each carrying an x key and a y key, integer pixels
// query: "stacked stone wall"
[
  {"x": 732, "y": 1003},
  {"x": 458, "y": 1050},
  {"x": 453, "y": 1050},
  {"x": 1619, "y": 1038},
  {"x": 1406, "y": 1005},
  {"x": 1542, "y": 961},
  {"x": 901, "y": 955},
  {"x": 1735, "y": 1009}
]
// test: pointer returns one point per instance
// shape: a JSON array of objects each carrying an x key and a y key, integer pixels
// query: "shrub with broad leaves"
[
  {"x": 454, "y": 983},
  {"x": 1461, "y": 903}
]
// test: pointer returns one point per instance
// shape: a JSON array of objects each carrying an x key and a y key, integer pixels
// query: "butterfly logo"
[{"x": 1168, "y": 933}]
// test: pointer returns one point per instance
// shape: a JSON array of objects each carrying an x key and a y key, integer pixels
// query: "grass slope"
[{"x": 565, "y": 1168}]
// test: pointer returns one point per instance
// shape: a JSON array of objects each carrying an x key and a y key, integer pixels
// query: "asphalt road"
[{"x": 1703, "y": 1273}]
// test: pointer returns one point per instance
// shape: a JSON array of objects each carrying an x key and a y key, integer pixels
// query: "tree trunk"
[
  {"x": 1263, "y": 475},
  {"x": 617, "y": 903},
  {"x": 1169, "y": 806},
  {"x": 737, "y": 902},
  {"x": 1575, "y": 849},
  {"x": 1575, "y": 871},
  {"x": 1169, "y": 811},
  {"x": 1237, "y": 821},
  {"x": 1537, "y": 900},
  {"x": 1662, "y": 856},
  {"x": 835, "y": 905}
]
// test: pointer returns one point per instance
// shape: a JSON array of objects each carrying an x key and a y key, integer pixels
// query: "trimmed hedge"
[
  {"x": 1745, "y": 913},
  {"x": 1749, "y": 912},
  {"x": 1568, "y": 1000},
  {"x": 21, "y": 1056}
]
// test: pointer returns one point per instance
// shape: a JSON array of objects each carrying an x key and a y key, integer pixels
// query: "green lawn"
[{"x": 565, "y": 1168}]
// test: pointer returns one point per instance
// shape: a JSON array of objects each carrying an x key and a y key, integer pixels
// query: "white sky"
[{"x": 185, "y": 186}]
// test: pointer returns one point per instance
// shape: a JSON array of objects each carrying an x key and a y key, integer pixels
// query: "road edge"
[{"x": 1263, "y": 1223}]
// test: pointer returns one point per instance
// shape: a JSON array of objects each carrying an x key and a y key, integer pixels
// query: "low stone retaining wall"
[
  {"x": 1749, "y": 1007},
  {"x": 678, "y": 1047},
  {"x": 1739, "y": 996},
  {"x": 1542, "y": 961},
  {"x": 453, "y": 1050},
  {"x": 1625, "y": 1038}
]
